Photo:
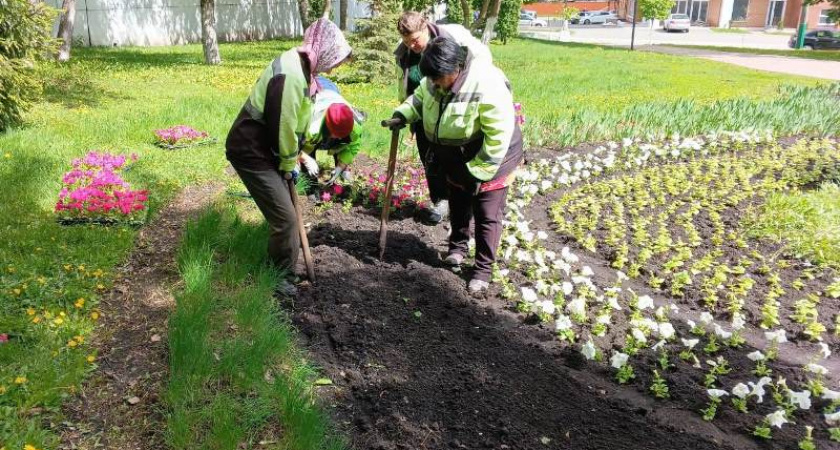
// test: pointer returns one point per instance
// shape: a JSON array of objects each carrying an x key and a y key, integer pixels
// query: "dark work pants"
[
  {"x": 271, "y": 194},
  {"x": 434, "y": 176},
  {"x": 487, "y": 208}
]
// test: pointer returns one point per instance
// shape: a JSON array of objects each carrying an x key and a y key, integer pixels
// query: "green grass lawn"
[
  {"x": 112, "y": 99},
  {"x": 822, "y": 55},
  {"x": 730, "y": 30}
]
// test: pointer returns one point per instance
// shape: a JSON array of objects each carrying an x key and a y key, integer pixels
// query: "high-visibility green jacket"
[
  {"x": 479, "y": 107},
  {"x": 476, "y": 51},
  {"x": 316, "y": 136},
  {"x": 266, "y": 132}
]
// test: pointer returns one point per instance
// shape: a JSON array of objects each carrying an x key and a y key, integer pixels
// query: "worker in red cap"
[{"x": 335, "y": 127}]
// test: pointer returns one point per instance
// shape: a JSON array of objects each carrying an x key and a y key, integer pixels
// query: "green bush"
[
  {"x": 25, "y": 37},
  {"x": 373, "y": 51},
  {"x": 508, "y": 24}
]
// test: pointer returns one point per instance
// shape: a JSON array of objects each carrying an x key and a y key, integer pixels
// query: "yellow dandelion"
[
  {"x": 91, "y": 358},
  {"x": 2, "y": 389},
  {"x": 36, "y": 319},
  {"x": 48, "y": 314},
  {"x": 94, "y": 315},
  {"x": 58, "y": 321},
  {"x": 79, "y": 338},
  {"x": 16, "y": 291},
  {"x": 8, "y": 155},
  {"x": 42, "y": 280},
  {"x": 98, "y": 273},
  {"x": 72, "y": 343},
  {"x": 11, "y": 269},
  {"x": 30, "y": 311},
  {"x": 100, "y": 286},
  {"x": 20, "y": 380},
  {"x": 62, "y": 314},
  {"x": 80, "y": 303},
  {"x": 68, "y": 267},
  {"x": 81, "y": 268},
  {"x": 29, "y": 447}
]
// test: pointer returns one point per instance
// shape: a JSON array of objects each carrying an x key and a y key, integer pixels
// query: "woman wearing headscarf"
[
  {"x": 262, "y": 145},
  {"x": 467, "y": 113}
]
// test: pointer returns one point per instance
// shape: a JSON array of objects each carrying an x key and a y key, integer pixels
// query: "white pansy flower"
[
  {"x": 586, "y": 271},
  {"x": 638, "y": 335},
  {"x": 559, "y": 264},
  {"x": 706, "y": 318},
  {"x": 833, "y": 419},
  {"x": 758, "y": 388},
  {"x": 523, "y": 256},
  {"x": 830, "y": 395},
  {"x": 824, "y": 350},
  {"x": 666, "y": 330},
  {"x": 511, "y": 239},
  {"x": 644, "y": 302},
  {"x": 603, "y": 319},
  {"x": 618, "y": 360},
  {"x": 691, "y": 324},
  {"x": 658, "y": 345},
  {"x": 816, "y": 369},
  {"x": 613, "y": 302},
  {"x": 545, "y": 185},
  {"x": 741, "y": 390},
  {"x": 621, "y": 276},
  {"x": 690, "y": 343},
  {"x": 777, "y": 419},
  {"x": 674, "y": 308},
  {"x": 547, "y": 306},
  {"x": 538, "y": 258},
  {"x": 528, "y": 295},
  {"x": 563, "y": 323},
  {"x": 801, "y": 399},
  {"x": 777, "y": 336},
  {"x": 738, "y": 322},
  {"x": 577, "y": 306},
  {"x": 541, "y": 286},
  {"x": 568, "y": 288},
  {"x": 721, "y": 333},
  {"x": 756, "y": 356},
  {"x": 716, "y": 393},
  {"x": 542, "y": 235},
  {"x": 589, "y": 350}
]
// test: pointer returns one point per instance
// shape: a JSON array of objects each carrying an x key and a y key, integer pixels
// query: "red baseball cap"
[{"x": 339, "y": 120}]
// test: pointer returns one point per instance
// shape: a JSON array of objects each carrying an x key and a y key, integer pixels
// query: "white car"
[
  {"x": 587, "y": 18},
  {"x": 677, "y": 22},
  {"x": 526, "y": 20}
]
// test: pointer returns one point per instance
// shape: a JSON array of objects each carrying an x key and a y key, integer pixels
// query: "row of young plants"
[{"x": 663, "y": 214}]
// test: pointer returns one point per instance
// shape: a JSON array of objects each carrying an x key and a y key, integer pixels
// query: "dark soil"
[
  {"x": 119, "y": 407},
  {"x": 417, "y": 363}
]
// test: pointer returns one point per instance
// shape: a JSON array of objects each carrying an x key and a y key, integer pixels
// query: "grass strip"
[
  {"x": 237, "y": 380},
  {"x": 821, "y": 55}
]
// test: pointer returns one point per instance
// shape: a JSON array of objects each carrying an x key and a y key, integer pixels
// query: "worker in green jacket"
[
  {"x": 467, "y": 115},
  {"x": 262, "y": 144},
  {"x": 416, "y": 32},
  {"x": 335, "y": 127}
]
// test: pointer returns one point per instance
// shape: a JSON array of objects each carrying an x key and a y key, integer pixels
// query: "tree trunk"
[
  {"x": 481, "y": 15},
  {"x": 208, "y": 32},
  {"x": 303, "y": 10},
  {"x": 65, "y": 29},
  {"x": 465, "y": 10},
  {"x": 342, "y": 14},
  {"x": 492, "y": 18}
]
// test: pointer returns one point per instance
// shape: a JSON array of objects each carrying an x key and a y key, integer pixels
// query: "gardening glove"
[
  {"x": 290, "y": 175},
  {"x": 340, "y": 173},
  {"x": 400, "y": 124},
  {"x": 309, "y": 164}
]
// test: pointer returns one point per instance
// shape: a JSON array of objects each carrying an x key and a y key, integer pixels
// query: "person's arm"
[
  {"x": 412, "y": 107},
  {"x": 291, "y": 104},
  {"x": 349, "y": 152},
  {"x": 496, "y": 118}
]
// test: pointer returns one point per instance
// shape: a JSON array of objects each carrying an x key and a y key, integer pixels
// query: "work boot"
[
  {"x": 285, "y": 289},
  {"x": 453, "y": 261},
  {"x": 438, "y": 211},
  {"x": 477, "y": 286}
]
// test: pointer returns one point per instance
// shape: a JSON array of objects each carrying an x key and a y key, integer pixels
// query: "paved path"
[{"x": 829, "y": 70}]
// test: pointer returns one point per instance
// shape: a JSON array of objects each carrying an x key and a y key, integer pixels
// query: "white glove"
[
  {"x": 310, "y": 164},
  {"x": 339, "y": 173}
]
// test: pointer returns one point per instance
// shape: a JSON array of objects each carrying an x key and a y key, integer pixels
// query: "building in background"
[
  {"x": 173, "y": 22},
  {"x": 744, "y": 13}
]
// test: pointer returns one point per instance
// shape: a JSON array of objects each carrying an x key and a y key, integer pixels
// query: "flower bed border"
[{"x": 206, "y": 141}]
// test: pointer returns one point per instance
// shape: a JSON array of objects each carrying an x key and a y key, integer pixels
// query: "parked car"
[
  {"x": 587, "y": 18},
  {"x": 677, "y": 22},
  {"x": 819, "y": 39},
  {"x": 527, "y": 20}
]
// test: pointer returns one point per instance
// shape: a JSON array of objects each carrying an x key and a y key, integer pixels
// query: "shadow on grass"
[
  {"x": 73, "y": 89},
  {"x": 576, "y": 45}
]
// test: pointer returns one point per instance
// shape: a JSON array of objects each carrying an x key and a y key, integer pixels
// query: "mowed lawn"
[{"x": 112, "y": 99}]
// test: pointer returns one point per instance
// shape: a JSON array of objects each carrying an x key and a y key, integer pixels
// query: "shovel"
[
  {"x": 304, "y": 241},
  {"x": 389, "y": 183}
]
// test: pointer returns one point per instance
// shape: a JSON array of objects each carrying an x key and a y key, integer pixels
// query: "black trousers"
[
  {"x": 487, "y": 208},
  {"x": 435, "y": 179}
]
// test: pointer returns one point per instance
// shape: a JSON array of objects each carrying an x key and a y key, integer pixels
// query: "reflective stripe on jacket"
[
  {"x": 479, "y": 107},
  {"x": 276, "y": 113}
]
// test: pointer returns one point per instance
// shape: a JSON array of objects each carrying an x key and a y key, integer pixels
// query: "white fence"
[{"x": 173, "y": 22}]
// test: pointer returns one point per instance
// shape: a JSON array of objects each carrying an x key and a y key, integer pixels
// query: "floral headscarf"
[{"x": 325, "y": 46}]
